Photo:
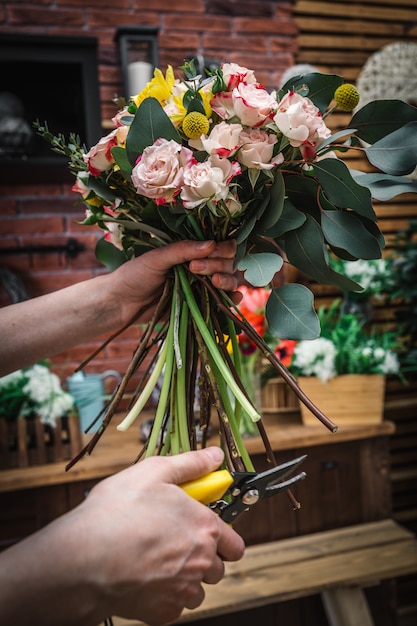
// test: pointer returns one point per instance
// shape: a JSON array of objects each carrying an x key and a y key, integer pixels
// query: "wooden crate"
[
  {"x": 348, "y": 399},
  {"x": 29, "y": 442},
  {"x": 278, "y": 397}
]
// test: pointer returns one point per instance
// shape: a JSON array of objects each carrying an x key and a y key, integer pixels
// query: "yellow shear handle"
[{"x": 209, "y": 488}]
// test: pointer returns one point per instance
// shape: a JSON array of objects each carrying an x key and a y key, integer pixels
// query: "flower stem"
[
  {"x": 213, "y": 348},
  {"x": 146, "y": 392}
]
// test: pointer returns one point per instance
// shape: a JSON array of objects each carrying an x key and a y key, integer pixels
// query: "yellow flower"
[
  {"x": 195, "y": 124},
  {"x": 160, "y": 87},
  {"x": 347, "y": 97}
]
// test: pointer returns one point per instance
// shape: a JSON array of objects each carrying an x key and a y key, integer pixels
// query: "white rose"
[
  {"x": 208, "y": 181},
  {"x": 257, "y": 148},
  {"x": 253, "y": 105},
  {"x": 159, "y": 171},
  {"x": 300, "y": 120},
  {"x": 223, "y": 140},
  {"x": 99, "y": 158},
  {"x": 233, "y": 74}
]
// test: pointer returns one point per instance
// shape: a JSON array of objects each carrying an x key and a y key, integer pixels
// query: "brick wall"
[{"x": 260, "y": 35}]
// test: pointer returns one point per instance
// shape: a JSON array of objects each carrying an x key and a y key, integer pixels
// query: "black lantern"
[{"x": 138, "y": 56}]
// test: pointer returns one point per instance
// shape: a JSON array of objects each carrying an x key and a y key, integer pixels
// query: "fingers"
[
  {"x": 230, "y": 545},
  {"x": 181, "y": 468},
  {"x": 216, "y": 572}
]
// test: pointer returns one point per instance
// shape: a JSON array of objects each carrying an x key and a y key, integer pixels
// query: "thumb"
[
  {"x": 191, "y": 465},
  {"x": 162, "y": 259}
]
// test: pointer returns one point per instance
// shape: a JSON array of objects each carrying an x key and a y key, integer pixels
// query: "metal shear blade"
[{"x": 248, "y": 488}]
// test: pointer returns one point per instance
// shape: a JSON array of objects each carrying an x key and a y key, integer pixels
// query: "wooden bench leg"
[{"x": 346, "y": 606}]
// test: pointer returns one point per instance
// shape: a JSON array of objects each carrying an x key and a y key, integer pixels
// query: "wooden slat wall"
[{"x": 338, "y": 36}]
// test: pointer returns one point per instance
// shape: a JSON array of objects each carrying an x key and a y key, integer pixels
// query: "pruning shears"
[{"x": 232, "y": 493}]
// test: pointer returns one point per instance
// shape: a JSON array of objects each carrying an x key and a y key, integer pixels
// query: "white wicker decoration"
[{"x": 390, "y": 73}]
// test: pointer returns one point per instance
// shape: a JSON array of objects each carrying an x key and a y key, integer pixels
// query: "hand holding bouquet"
[{"x": 220, "y": 157}]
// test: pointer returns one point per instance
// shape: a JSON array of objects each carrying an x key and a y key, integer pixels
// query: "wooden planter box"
[
  {"x": 29, "y": 442},
  {"x": 278, "y": 397},
  {"x": 350, "y": 399}
]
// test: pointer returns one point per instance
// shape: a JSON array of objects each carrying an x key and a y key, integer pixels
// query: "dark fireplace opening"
[{"x": 53, "y": 80}]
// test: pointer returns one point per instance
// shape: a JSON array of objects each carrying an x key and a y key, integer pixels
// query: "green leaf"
[
  {"x": 150, "y": 123},
  {"x": 197, "y": 105},
  {"x": 101, "y": 189},
  {"x": 302, "y": 191},
  {"x": 383, "y": 186},
  {"x": 109, "y": 255},
  {"x": 306, "y": 250},
  {"x": 260, "y": 269},
  {"x": 341, "y": 189},
  {"x": 343, "y": 229},
  {"x": 396, "y": 153},
  {"x": 275, "y": 205},
  {"x": 291, "y": 218},
  {"x": 120, "y": 156},
  {"x": 321, "y": 87},
  {"x": 290, "y": 313},
  {"x": 382, "y": 117}
]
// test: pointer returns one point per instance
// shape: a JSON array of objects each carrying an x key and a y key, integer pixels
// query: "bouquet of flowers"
[
  {"x": 34, "y": 391},
  {"x": 219, "y": 156},
  {"x": 345, "y": 347}
]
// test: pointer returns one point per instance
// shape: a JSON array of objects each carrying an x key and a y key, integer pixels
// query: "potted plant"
[
  {"x": 37, "y": 418},
  {"x": 344, "y": 370},
  {"x": 375, "y": 276}
]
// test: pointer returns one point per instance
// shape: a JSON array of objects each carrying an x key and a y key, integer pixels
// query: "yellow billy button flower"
[
  {"x": 195, "y": 124},
  {"x": 346, "y": 97}
]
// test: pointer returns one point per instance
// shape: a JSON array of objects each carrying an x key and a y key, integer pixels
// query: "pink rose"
[
  {"x": 99, "y": 158},
  {"x": 80, "y": 185},
  {"x": 114, "y": 232},
  {"x": 159, "y": 171},
  {"x": 223, "y": 140},
  {"x": 208, "y": 181},
  {"x": 234, "y": 74},
  {"x": 222, "y": 104},
  {"x": 257, "y": 147},
  {"x": 253, "y": 105},
  {"x": 300, "y": 120}
]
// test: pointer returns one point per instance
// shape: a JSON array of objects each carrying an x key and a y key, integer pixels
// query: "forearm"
[
  {"x": 51, "y": 578},
  {"x": 45, "y": 326}
]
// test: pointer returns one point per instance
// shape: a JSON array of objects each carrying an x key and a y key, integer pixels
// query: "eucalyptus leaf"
[
  {"x": 109, "y": 255},
  {"x": 302, "y": 191},
  {"x": 260, "y": 269},
  {"x": 384, "y": 187},
  {"x": 341, "y": 189},
  {"x": 120, "y": 156},
  {"x": 306, "y": 250},
  {"x": 150, "y": 123},
  {"x": 290, "y": 313},
  {"x": 333, "y": 138},
  {"x": 290, "y": 219},
  {"x": 101, "y": 189},
  {"x": 382, "y": 117},
  {"x": 275, "y": 205},
  {"x": 344, "y": 229},
  {"x": 396, "y": 153}
]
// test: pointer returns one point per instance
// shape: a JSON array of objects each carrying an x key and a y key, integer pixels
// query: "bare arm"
[{"x": 50, "y": 324}]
